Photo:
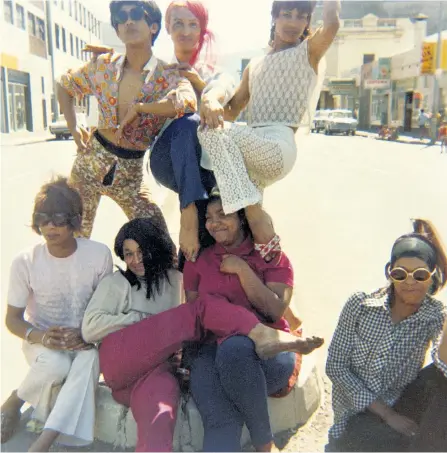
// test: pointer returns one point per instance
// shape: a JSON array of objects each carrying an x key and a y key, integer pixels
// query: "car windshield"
[{"x": 342, "y": 115}]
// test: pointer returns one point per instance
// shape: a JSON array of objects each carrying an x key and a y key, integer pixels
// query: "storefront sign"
[
  {"x": 428, "y": 58},
  {"x": 377, "y": 84},
  {"x": 384, "y": 68},
  {"x": 429, "y": 54},
  {"x": 342, "y": 87}
]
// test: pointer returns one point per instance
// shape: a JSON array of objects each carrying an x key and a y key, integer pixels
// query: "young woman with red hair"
[{"x": 176, "y": 155}]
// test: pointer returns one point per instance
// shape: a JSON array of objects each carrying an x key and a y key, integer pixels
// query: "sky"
[{"x": 238, "y": 24}]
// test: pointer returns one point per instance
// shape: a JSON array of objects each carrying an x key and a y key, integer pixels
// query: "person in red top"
[
  {"x": 229, "y": 382},
  {"x": 442, "y": 136}
]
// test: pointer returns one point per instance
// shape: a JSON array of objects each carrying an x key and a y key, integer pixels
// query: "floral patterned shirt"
[{"x": 101, "y": 79}]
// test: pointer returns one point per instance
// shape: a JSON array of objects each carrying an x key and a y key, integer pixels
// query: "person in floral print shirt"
[{"x": 110, "y": 160}]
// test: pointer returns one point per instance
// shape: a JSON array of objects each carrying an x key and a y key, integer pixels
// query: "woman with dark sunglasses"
[
  {"x": 49, "y": 289},
  {"x": 381, "y": 393}
]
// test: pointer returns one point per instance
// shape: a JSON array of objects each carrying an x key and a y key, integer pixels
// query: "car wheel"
[
  {"x": 58, "y": 137},
  {"x": 353, "y": 132},
  {"x": 67, "y": 137}
]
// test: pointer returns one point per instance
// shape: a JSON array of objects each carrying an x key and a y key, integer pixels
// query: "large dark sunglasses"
[
  {"x": 399, "y": 274},
  {"x": 135, "y": 14},
  {"x": 58, "y": 219}
]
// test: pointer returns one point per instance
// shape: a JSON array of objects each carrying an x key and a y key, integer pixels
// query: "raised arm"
[{"x": 321, "y": 40}]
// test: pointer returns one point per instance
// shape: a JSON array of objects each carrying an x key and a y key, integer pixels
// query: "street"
[{"x": 337, "y": 213}]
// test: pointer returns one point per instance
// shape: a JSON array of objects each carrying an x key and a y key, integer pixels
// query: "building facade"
[
  {"x": 41, "y": 40},
  {"x": 358, "y": 42}
]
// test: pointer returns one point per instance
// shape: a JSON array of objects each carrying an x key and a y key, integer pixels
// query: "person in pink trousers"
[{"x": 138, "y": 317}]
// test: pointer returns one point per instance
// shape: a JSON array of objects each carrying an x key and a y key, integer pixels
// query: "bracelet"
[{"x": 28, "y": 333}]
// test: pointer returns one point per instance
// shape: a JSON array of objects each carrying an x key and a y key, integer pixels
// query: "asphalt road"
[{"x": 337, "y": 213}]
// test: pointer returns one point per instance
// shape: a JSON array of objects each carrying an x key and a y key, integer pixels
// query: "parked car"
[
  {"x": 318, "y": 123},
  {"x": 340, "y": 122},
  {"x": 60, "y": 129}
]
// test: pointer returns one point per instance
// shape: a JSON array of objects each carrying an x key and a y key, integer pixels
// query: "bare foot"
[
  {"x": 189, "y": 232},
  {"x": 270, "y": 342},
  {"x": 44, "y": 441},
  {"x": 10, "y": 416}
]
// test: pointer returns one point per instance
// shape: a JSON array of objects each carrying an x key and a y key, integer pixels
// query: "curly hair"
[
  {"x": 157, "y": 249},
  {"x": 58, "y": 196}
]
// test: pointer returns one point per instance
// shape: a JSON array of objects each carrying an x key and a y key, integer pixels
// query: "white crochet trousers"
[{"x": 246, "y": 160}]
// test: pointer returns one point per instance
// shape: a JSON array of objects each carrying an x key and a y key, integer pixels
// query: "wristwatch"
[{"x": 28, "y": 333}]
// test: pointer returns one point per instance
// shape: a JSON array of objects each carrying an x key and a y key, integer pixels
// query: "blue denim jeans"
[
  {"x": 230, "y": 386},
  {"x": 175, "y": 161}
]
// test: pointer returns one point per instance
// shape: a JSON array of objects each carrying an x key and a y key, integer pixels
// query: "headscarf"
[{"x": 414, "y": 246}]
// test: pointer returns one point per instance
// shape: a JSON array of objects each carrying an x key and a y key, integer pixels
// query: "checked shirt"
[{"x": 370, "y": 358}]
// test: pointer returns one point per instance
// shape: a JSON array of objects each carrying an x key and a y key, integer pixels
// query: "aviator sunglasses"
[
  {"x": 58, "y": 219},
  {"x": 135, "y": 14},
  {"x": 399, "y": 274}
]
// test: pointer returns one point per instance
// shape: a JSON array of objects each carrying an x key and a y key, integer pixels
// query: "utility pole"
[{"x": 437, "y": 74}]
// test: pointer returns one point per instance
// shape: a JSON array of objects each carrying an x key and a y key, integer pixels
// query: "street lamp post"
[{"x": 436, "y": 78}]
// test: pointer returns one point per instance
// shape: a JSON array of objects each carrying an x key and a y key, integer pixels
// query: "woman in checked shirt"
[{"x": 382, "y": 396}]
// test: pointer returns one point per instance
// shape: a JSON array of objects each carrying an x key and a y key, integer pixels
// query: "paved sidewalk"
[
  {"x": 25, "y": 138},
  {"x": 402, "y": 138}
]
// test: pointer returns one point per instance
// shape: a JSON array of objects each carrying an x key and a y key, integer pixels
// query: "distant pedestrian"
[
  {"x": 442, "y": 136},
  {"x": 424, "y": 123}
]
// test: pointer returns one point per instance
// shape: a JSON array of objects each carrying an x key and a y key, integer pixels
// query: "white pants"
[
  {"x": 245, "y": 160},
  {"x": 61, "y": 386}
]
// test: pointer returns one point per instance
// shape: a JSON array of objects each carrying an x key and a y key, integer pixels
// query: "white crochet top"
[{"x": 283, "y": 88}]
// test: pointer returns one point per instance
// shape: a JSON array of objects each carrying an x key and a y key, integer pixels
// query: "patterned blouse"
[
  {"x": 101, "y": 79},
  {"x": 371, "y": 358}
]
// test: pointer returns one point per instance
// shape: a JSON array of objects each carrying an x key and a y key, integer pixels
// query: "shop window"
[
  {"x": 20, "y": 16},
  {"x": 7, "y": 12}
]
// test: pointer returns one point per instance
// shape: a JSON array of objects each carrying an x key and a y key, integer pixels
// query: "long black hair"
[
  {"x": 303, "y": 6},
  {"x": 157, "y": 249}
]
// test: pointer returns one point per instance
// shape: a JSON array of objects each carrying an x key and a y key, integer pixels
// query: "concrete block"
[{"x": 115, "y": 424}]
